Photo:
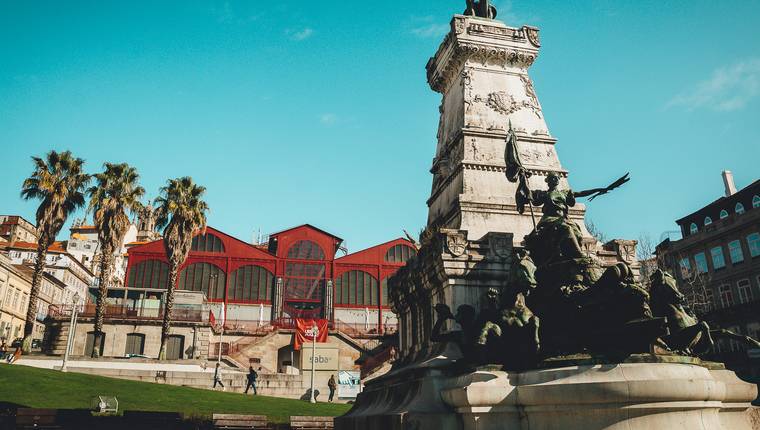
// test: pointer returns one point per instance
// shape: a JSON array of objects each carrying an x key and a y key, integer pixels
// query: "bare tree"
[
  {"x": 649, "y": 260},
  {"x": 695, "y": 286},
  {"x": 595, "y": 231}
]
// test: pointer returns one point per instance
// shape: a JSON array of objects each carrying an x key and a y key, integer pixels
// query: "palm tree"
[
  {"x": 115, "y": 193},
  {"x": 59, "y": 182},
  {"x": 182, "y": 212}
]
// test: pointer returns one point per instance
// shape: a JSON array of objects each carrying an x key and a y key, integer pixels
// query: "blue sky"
[{"x": 318, "y": 111}]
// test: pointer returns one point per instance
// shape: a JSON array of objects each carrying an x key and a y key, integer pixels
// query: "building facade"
[
  {"x": 718, "y": 262},
  {"x": 14, "y": 228},
  {"x": 14, "y": 300},
  {"x": 297, "y": 274},
  {"x": 60, "y": 264},
  {"x": 83, "y": 245}
]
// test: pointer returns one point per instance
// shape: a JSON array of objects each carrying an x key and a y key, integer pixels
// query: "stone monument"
[{"x": 515, "y": 319}]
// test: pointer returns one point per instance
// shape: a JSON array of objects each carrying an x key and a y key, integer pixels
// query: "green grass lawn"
[{"x": 41, "y": 388}]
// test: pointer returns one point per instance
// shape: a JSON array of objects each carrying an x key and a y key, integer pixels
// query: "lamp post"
[
  {"x": 314, "y": 334},
  {"x": 72, "y": 332}
]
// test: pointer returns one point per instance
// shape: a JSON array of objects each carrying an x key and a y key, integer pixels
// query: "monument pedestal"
[{"x": 632, "y": 395}]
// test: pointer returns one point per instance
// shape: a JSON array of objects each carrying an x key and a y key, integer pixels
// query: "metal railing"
[{"x": 179, "y": 313}]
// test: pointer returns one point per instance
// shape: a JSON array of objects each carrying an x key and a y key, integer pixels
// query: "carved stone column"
[{"x": 481, "y": 70}]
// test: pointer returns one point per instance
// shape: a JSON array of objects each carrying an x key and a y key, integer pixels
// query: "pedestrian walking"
[
  {"x": 3, "y": 349},
  {"x": 252, "y": 377},
  {"x": 218, "y": 376},
  {"x": 332, "y": 386}
]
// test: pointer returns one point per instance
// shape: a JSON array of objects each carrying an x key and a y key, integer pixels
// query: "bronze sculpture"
[
  {"x": 687, "y": 334},
  {"x": 481, "y": 8}
]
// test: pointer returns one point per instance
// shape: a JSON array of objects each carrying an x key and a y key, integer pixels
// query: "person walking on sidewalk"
[
  {"x": 252, "y": 376},
  {"x": 218, "y": 376},
  {"x": 331, "y": 385}
]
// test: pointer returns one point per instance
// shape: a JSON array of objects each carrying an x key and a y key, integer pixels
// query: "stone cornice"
[{"x": 482, "y": 41}]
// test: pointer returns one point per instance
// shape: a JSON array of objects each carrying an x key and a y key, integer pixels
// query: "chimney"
[{"x": 728, "y": 181}]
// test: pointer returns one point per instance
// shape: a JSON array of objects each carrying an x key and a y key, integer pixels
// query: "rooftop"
[{"x": 725, "y": 202}]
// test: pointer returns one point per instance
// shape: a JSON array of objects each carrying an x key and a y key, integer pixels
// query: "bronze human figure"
[
  {"x": 482, "y": 8},
  {"x": 555, "y": 230}
]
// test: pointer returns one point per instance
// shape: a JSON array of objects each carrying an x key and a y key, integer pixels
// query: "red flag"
[
  {"x": 305, "y": 329},
  {"x": 211, "y": 319}
]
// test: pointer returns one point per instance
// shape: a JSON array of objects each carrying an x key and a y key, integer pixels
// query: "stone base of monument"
[{"x": 645, "y": 392}]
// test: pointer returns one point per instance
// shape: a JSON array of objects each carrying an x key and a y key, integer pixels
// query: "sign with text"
[{"x": 326, "y": 359}]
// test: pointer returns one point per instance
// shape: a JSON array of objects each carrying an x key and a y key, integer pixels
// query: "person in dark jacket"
[
  {"x": 252, "y": 376},
  {"x": 218, "y": 376},
  {"x": 332, "y": 386}
]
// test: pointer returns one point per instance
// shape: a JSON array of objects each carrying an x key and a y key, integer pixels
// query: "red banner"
[{"x": 305, "y": 329}]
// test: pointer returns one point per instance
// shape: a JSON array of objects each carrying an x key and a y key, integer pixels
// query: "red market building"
[{"x": 296, "y": 275}]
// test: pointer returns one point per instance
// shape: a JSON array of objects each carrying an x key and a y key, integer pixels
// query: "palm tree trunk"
[
  {"x": 31, "y": 312},
  {"x": 168, "y": 306},
  {"x": 106, "y": 265}
]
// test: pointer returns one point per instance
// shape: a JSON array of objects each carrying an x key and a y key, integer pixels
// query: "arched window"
[
  {"x": 693, "y": 228},
  {"x": 203, "y": 277},
  {"x": 251, "y": 284},
  {"x": 708, "y": 220},
  {"x": 306, "y": 250},
  {"x": 723, "y": 214},
  {"x": 207, "y": 243},
  {"x": 356, "y": 288},
  {"x": 739, "y": 208},
  {"x": 756, "y": 202},
  {"x": 148, "y": 274},
  {"x": 399, "y": 254}
]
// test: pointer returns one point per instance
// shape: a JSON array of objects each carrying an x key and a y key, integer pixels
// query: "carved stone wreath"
[{"x": 502, "y": 102}]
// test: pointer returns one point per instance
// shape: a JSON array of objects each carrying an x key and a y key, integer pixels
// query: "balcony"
[{"x": 193, "y": 313}]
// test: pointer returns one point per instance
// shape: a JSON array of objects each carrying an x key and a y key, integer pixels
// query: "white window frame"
[
  {"x": 708, "y": 221},
  {"x": 753, "y": 242},
  {"x": 739, "y": 208},
  {"x": 737, "y": 245},
  {"x": 693, "y": 228},
  {"x": 719, "y": 258},
  {"x": 696, "y": 263},
  {"x": 723, "y": 214},
  {"x": 723, "y": 292},
  {"x": 755, "y": 202},
  {"x": 745, "y": 290}
]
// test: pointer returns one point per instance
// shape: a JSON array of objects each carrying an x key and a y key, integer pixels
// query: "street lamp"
[
  {"x": 314, "y": 334},
  {"x": 72, "y": 331}
]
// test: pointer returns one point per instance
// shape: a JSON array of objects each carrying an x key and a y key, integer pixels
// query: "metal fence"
[{"x": 186, "y": 313}]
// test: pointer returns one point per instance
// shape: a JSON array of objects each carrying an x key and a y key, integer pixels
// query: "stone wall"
[{"x": 116, "y": 337}]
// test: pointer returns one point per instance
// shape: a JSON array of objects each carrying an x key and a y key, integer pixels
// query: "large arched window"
[
  {"x": 399, "y": 254},
  {"x": 756, "y": 202},
  {"x": 739, "y": 209},
  {"x": 708, "y": 220},
  {"x": 207, "y": 243},
  {"x": 357, "y": 288},
  {"x": 306, "y": 250},
  {"x": 693, "y": 228},
  {"x": 251, "y": 284},
  {"x": 723, "y": 214},
  {"x": 203, "y": 277},
  {"x": 148, "y": 274}
]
